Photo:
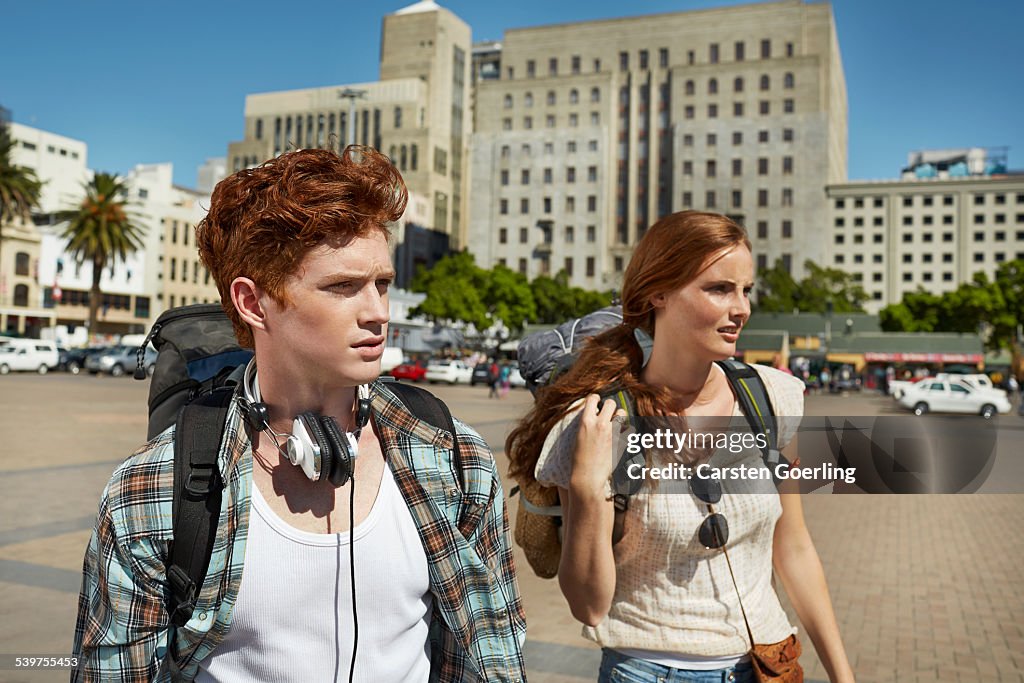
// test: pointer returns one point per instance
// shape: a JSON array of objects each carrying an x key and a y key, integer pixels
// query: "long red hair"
[{"x": 672, "y": 253}]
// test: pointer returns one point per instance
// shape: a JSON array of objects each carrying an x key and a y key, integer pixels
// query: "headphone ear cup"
[
  {"x": 341, "y": 470},
  {"x": 312, "y": 425}
]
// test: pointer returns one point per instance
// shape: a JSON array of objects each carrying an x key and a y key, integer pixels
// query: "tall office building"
[
  {"x": 951, "y": 214},
  {"x": 417, "y": 113},
  {"x": 596, "y": 129}
]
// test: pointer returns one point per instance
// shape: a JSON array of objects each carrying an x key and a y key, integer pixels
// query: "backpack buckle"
[
  {"x": 203, "y": 478},
  {"x": 183, "y": 595},
  {"x": 621, "y": 502}
]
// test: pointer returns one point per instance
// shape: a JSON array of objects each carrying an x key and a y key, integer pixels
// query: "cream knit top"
[{"x": 671, "y": 594}]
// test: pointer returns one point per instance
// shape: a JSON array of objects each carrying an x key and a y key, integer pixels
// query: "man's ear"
[{"x": 246, "y": 295}]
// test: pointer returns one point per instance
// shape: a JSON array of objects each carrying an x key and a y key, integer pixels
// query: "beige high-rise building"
[
  {"x": 952, "y": 214},
  {"x": 417, "y": 113},
  {"x": 596, "y": 129}
]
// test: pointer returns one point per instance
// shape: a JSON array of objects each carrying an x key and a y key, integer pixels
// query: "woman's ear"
[
  {"x": 658, "y": 300},
  {"x": 245, "y": 295}
]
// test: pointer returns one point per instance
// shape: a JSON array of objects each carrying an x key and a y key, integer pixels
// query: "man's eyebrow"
[{"x": 342, "y": 275}]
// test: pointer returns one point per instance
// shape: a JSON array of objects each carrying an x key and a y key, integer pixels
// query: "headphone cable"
[{"x": 352, "y": 571}]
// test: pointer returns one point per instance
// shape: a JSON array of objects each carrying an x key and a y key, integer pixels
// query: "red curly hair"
[
  {"x": 263, "y": 221},
  {"x": 670, "y": 255}
]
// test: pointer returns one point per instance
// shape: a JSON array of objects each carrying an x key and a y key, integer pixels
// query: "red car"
[{"x": 414, "y": 372}]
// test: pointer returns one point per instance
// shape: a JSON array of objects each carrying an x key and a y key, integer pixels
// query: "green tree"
[
  {"x": 19, "y": 187},
  {"x": 779, "y": 292},
  {"x": 557, "y": 301},
  {"x": 509, "y": 298},
  {"x": 919, "y": 311},
  {"x": 100, "y": 231},
  {"x": 454, "y": 286}
]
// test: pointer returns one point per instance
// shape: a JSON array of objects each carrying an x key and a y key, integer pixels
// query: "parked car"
[
  {"x": 515, "y": 378},
  {"x": 414, "y": 372},
  {"x": 953, "y": 396},
  {"x": 450, "y": 371},
  {"x": 978, "y": 380},
  {"x": 29, "y": 355},
  {"x": 73, "y": 360},
  {"x": 481, "y": 373},
  {"x": 119, "y": 360}
]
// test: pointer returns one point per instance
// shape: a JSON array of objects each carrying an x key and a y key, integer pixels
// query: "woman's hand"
[{"x": 593, "y": 461}]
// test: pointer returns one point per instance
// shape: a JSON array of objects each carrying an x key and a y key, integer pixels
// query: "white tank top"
[{"x": 293, "y": 618}]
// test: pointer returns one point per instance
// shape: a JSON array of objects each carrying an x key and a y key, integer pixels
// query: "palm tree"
[
  {"x": 19, "y": 187},
  {"x": 100, "y": 231}
]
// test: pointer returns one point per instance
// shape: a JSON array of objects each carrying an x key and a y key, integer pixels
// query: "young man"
[{"x": 298, "y": 248}]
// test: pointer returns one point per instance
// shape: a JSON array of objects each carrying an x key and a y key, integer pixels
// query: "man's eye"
[{"x": 384, "y": 284}]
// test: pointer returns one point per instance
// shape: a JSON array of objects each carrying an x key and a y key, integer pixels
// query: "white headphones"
[{"x": 317, "y": 444}]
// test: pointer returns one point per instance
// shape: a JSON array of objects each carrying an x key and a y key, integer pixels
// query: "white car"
[
  {"x": 953, "y": 396},
  {"x": 515, "y": 378},
  {"x": 450, "y": 371},
  {"x": 32, "y": 355}
]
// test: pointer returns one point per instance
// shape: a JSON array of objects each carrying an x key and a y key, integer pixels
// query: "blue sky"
[{"x": 146, "y": 82}]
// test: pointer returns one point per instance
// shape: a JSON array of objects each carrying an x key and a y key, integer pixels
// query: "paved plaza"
[{"x": 926, "y": 587}]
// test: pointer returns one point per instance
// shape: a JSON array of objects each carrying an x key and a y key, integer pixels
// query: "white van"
[{"x": 32, "y": 355}]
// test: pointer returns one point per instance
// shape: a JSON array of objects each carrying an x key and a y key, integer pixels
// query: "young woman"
[{"x": 660, "y": 602}]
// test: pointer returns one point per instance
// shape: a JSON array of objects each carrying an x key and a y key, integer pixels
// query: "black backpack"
[{"x": 198, "y": 369}]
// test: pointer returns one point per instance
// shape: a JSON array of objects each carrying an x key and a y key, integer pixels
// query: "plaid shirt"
[{"x": 477, "y": 627}]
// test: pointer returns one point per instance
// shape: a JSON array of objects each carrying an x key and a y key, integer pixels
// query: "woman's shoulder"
[{"x": 786, "y": 390}]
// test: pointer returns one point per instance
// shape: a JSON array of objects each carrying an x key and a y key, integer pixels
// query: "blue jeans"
[{"x": 618, "y": 668}]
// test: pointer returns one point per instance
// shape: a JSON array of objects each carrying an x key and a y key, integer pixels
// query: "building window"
[
  {"x": 663, "y": 57},
  {"x": 908, "y": 201},
  {"x": 713, "y": 53},
  {"x": 528, "y": 122},
  {"x": 787, "y": 165},
  {"x": 787, "y": 196},
  {"x": 504, "y": 177},
  {"x": 737, "y": 109},
  {"x": 687, "y": 168},
  {"x": 713, "y": 86},
  {"x": 503, "y": 207},
  {"x": 787, "y": 229},
  {"x": 712, "y": 140},
  {"x": 787, "y": 135},
  {"x": 788, "y": 81},
  {"x": 979, "y": 200},
  {"x": 762, "y": 198},
  {"x": 553, "y": 66},
  {"x": 552, "y": 98},
  {"x": 591, "y": 233},
  {"x": 788, "y": 106},
  {"x": 503, "y": 236},
  {"x": 506, "y": 124},
  {"x": 712, "y": 168},
  {"x": 737, "y": 167},
  {"x": 21, "y": 263},
  {"x": 762, "y": 230},
  {"x": 524, "y": 206},
  {"x": 643, "y": 59},
  {"x": 762, "y": 136},
  {"x": 737, "y": 84},
  {"x": 550, "y": 121},
  {"x": 531, "y": 68},
  {"x": 737, "y": 138},
  {"x": 737, "y": 199},
  {"x": 595, "y": 94},
  {"x": 764, "y": 107},
  {"x": 547, "y": 205},
  {"x": 687, "y": 200},
  {"x": 709, "y": 199},
  {"x": 570, "y": 174},
  {"x": 762, "y": 166},
  {"x": 712, "y": 111},
  {"x": 623, "y": 61},
  {"x": 766, "y": 49},
  {"x": 592, "y": 203},
  {"x": 524, "y": 235},
  {"x": 765, "y": 83},
  {"x": 688, "y": 140},
  {"x": 570, "y": 234}
]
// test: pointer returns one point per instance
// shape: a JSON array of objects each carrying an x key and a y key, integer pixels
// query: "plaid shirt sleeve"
[{"x": 121, "y": 631}]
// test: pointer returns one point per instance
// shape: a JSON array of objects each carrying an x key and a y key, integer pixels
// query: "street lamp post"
[{"x": 351, "y": 94}]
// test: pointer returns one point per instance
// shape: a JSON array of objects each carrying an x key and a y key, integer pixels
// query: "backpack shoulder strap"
[
  {"x": 432, "y": 410},
  {"x": 756, "y": 406},
  {"x": 197, "y": 498}
]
